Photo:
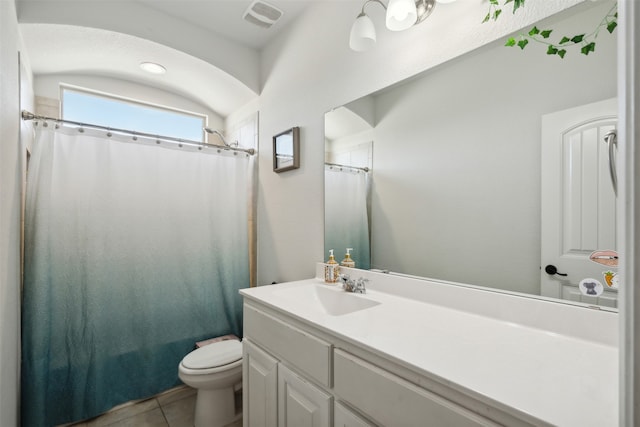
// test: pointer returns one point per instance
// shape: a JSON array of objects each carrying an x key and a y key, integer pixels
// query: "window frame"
[{"x": 135, "y": 102}]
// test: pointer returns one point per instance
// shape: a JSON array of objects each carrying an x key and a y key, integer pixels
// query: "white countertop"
[{"x": 556, "y": 378}]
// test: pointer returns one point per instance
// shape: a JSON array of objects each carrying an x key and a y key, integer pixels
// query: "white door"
[{"x": 578, "y": 201}]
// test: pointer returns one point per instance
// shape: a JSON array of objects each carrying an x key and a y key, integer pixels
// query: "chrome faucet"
[{"x": 356, "y": 286}]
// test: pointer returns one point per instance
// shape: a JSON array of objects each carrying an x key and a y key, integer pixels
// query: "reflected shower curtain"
[
  {"x": 346, "y": 203},
  {"x": 132, "y": 253}
]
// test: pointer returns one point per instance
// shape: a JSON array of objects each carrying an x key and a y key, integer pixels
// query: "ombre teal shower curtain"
[
  {"x": 132, "y": 253},
  {"x": 346, "y": 210}
]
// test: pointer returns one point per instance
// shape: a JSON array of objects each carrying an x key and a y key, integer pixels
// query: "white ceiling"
[
  {"x": 224, "y": 17},
  {"x": 211, "y": 54},
  {"x": 66, "y": 49},
  {"x": 341, "y": 122}
]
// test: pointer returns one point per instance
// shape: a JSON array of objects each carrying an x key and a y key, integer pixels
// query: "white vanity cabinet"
[
  {"x": 275, "y": 395},
  {"x": 294, "y": 378},
  {"x": 419, "y": 353}
]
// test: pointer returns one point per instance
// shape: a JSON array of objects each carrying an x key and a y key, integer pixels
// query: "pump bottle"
[
  {"x": 331, "y": 269},
  {"x": 348, "y": 261}
]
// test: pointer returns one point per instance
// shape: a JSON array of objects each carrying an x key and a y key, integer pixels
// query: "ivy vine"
[{"x": 586, "y": 41}]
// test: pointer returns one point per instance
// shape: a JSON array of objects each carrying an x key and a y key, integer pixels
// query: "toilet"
[{"x": 214, "y": 370}]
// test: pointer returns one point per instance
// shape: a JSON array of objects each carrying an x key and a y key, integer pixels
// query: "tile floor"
[{"x": 173, "y": 408}]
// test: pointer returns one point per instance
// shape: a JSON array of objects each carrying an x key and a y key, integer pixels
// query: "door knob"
[{"x": 551, "y": 270}]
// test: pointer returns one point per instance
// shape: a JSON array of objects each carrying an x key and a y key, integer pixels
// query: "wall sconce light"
[{"x": 401, "y": 15}]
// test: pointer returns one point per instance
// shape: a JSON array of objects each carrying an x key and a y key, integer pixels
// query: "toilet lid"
[{"x": 213, "y": 355}]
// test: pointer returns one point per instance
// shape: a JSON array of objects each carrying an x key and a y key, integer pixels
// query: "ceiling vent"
[{"x": 262, "y": 14}]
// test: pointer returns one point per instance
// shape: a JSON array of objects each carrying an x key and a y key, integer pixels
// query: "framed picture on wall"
[{"x": 286, "y": 150}]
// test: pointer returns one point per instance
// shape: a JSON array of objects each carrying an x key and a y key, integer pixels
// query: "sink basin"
[{"x": 328, "y": 299}]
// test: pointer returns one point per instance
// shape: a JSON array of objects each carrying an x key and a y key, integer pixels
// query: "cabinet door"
[
  {"x": 300, "y": 403},
  {"x": 343, "y": 417},
  {"x": 259, "y": 387}
]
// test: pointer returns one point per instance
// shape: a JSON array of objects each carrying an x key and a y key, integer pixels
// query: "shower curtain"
[
  {"x": 132, "y": 253},
  {"x": 347, "y": 214}
]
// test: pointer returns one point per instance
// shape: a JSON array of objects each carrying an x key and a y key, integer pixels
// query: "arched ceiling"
[
  {"x": 342, "y": 122},
  {"x": 211, "y": 54}
]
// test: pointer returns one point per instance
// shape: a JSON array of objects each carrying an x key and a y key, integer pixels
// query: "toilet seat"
[{"x": 213, "y": 358}]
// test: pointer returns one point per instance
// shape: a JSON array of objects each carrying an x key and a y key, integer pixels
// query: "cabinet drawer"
[
  {"x": 393, "y": 401},
  {"x": 306, "y": 352}
]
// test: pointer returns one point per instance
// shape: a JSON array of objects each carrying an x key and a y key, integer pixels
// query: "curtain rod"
[
  {"x": 26, "y": 115},
  {"x": 365, "y": 169}
]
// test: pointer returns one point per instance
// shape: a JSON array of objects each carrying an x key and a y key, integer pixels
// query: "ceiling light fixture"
[
  {"x": 153, "y": 68},
  {"x": 401, "y": 15}
]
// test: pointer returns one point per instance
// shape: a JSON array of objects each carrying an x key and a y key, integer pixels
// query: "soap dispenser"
[
  {"x": 348, "y": 261},
  {"x": 331, "y": 269}
]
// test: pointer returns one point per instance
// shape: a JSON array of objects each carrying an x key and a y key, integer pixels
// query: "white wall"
[
  {"x": 308, "y": 71},
  {"x": 456, "y": 188},
  {"x": 11, "y": 169},
  {"x": 356, "y": 151}
]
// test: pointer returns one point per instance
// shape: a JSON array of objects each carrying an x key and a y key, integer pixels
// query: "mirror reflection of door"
[{"x": 578, "y": 201}]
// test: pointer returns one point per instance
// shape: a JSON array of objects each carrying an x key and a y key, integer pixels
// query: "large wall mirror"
[{"x": 455, "y": 175}]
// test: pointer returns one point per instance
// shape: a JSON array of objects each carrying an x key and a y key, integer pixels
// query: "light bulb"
[{"x": 401, "y": 14}]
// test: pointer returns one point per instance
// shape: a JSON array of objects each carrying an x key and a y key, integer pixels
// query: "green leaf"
[
  {"x": 494, "y": 2},
  {"x": 510, "y": 42},
  {"x": 591, "y": 47},
  {"x": 578, "y": 38},
  {"x": 611, "y": 26},
  {"x": 486, "y": 18},
  {"x": 562, "y": 52},
  {"x": 564, "y": 40},
  {"x": 507, "y": 2},
  {"x": 496, "y": 14},
  {"x": 552, "y": 50},
  {"x": 517, "y": 4},
  {"x": 546, "y": 33},
  {"x": 523, "y": 43},
  {"x": 534, "y": 31}
]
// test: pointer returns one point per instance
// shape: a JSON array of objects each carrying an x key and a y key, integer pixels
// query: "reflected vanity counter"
[{"x": 450, "y": 354}]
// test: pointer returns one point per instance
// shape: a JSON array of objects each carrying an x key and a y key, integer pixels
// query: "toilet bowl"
[{"x": 213, "y": 370}]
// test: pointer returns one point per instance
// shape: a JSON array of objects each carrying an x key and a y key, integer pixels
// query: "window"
[{"x": 92, "y": 108}]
